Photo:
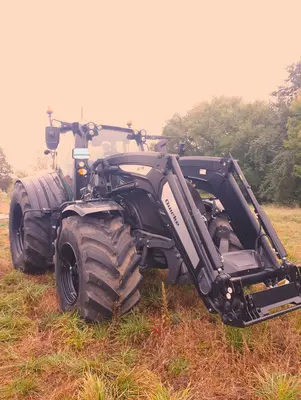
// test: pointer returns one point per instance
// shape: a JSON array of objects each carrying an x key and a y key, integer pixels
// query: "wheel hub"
[{"x": 69, "y": 275}]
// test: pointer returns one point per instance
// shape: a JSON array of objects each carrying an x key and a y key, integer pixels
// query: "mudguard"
[
  {"x": 82, "y": 208},
  {"x": 45, "y": 191}
]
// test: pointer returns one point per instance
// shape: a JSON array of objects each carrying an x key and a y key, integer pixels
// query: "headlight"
[
  {"x": 91, "y": 125},
  {"x": 91, "y": 132}
]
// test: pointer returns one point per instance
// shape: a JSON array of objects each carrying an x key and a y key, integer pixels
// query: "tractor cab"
[
  {"x": 74, "y": 147},
  {"x": 111, "y": 140},
  {"x": 74, "y": 154}
]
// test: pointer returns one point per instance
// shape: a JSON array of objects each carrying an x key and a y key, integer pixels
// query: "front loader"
[{"x": 123, "y": 210}]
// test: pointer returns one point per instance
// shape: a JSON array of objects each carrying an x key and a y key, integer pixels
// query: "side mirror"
[
  {"x": 52, "y": 136},
  {"x": 181, "y": 149}
]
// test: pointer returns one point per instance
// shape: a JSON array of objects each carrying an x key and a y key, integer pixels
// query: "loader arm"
[{"x": 219, "y": 278}]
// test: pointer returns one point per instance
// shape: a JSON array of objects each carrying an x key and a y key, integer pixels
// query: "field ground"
[{"x": 168, "y": 348}]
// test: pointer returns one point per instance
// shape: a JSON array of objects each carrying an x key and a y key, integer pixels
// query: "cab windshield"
[{"x": 110, "y": 141}]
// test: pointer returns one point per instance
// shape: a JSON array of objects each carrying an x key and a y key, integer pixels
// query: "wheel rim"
[
  {"x": 69, "y": 274},
  {"x": 18, "y": 228}
]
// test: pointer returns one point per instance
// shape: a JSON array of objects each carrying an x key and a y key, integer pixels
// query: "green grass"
[
  {"x": 18, "y": 296},
  {"x": 33, "y": 292},
  {"x": 74, "y": 332},
  {"x": 51, "y": 320},
  {"x": 238, "y": 338},
  {"x": 100, "y": 330},
  {"x": 12, "y": 328},
  {"x": 169, "y": 348},
  {"x": 277, "y": 386},
  {"x": 152, "y": 290},
  {"x": 129, "y": 356},
  {"x": 19, "y": 389},
  {"x": 177, "y": 366},
  {"x": 134, "y": 328},
  {"x": 125, "y": 384},
  {"x": 93, "y": 388},
  {"x": 13, "y": 278}
]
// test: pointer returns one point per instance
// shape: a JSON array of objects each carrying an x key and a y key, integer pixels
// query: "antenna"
[{"x": 81, "y": 113}]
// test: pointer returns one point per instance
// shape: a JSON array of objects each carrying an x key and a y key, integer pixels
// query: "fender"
[
  {"x": 83, "y": 208},
  {"x": 45, "y": 191}
]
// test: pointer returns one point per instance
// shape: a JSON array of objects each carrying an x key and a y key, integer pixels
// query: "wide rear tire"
[
  {"x": 30, "y": 236},
  {"x": 96, "y": 267}
]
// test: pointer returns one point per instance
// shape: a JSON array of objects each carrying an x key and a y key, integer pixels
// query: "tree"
[
  {"x": 280, "y": 185},
  {"x": 264, "y": 137},
  {"x": 287, "y": 166},
  {"x": 19, "y": 173},
  {"x": 5, "y": 172},
  {"x": 42, "y": 163},
  {"x": 176, "y": 126},
  {"x": 282, "y": 180},
  {"x": 229, "y": 125},
  {"x": 287, "y": 92},
  {"x": 279, "y": 156},
  {"x": 293, "y": 142}
]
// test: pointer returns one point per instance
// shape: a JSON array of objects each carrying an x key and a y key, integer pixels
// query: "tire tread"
[{"x": 107, "y": 251}]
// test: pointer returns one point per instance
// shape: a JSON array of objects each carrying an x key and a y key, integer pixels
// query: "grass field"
[{"x": 168, "y": 348}]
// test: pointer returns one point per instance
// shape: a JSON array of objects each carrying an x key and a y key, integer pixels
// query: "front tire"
[{"x": 96, "y": 267}]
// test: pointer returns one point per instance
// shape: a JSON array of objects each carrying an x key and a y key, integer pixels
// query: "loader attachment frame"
[
  {"x": 217, "y": 176},
  {"x": 219, "y": 278}
]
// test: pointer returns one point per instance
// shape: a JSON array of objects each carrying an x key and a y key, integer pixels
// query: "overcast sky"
[{"x": 138, "y": 60}]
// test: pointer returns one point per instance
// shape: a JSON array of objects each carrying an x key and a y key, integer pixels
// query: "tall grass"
[{"x": 168, "y": 348}]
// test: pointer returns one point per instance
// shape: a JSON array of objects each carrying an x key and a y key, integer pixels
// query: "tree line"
[
  {"x": 8, "y": 176},
  {"x": 264, "y": 136}
]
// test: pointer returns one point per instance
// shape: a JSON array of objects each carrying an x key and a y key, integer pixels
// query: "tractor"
[{"x": 110, "y": 210}]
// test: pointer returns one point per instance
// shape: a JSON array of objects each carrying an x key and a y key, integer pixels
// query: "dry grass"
[{"x": 169, "y": 348}]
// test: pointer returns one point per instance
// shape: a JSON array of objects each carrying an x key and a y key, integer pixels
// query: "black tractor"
[{"x": 109, "y": 210}]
